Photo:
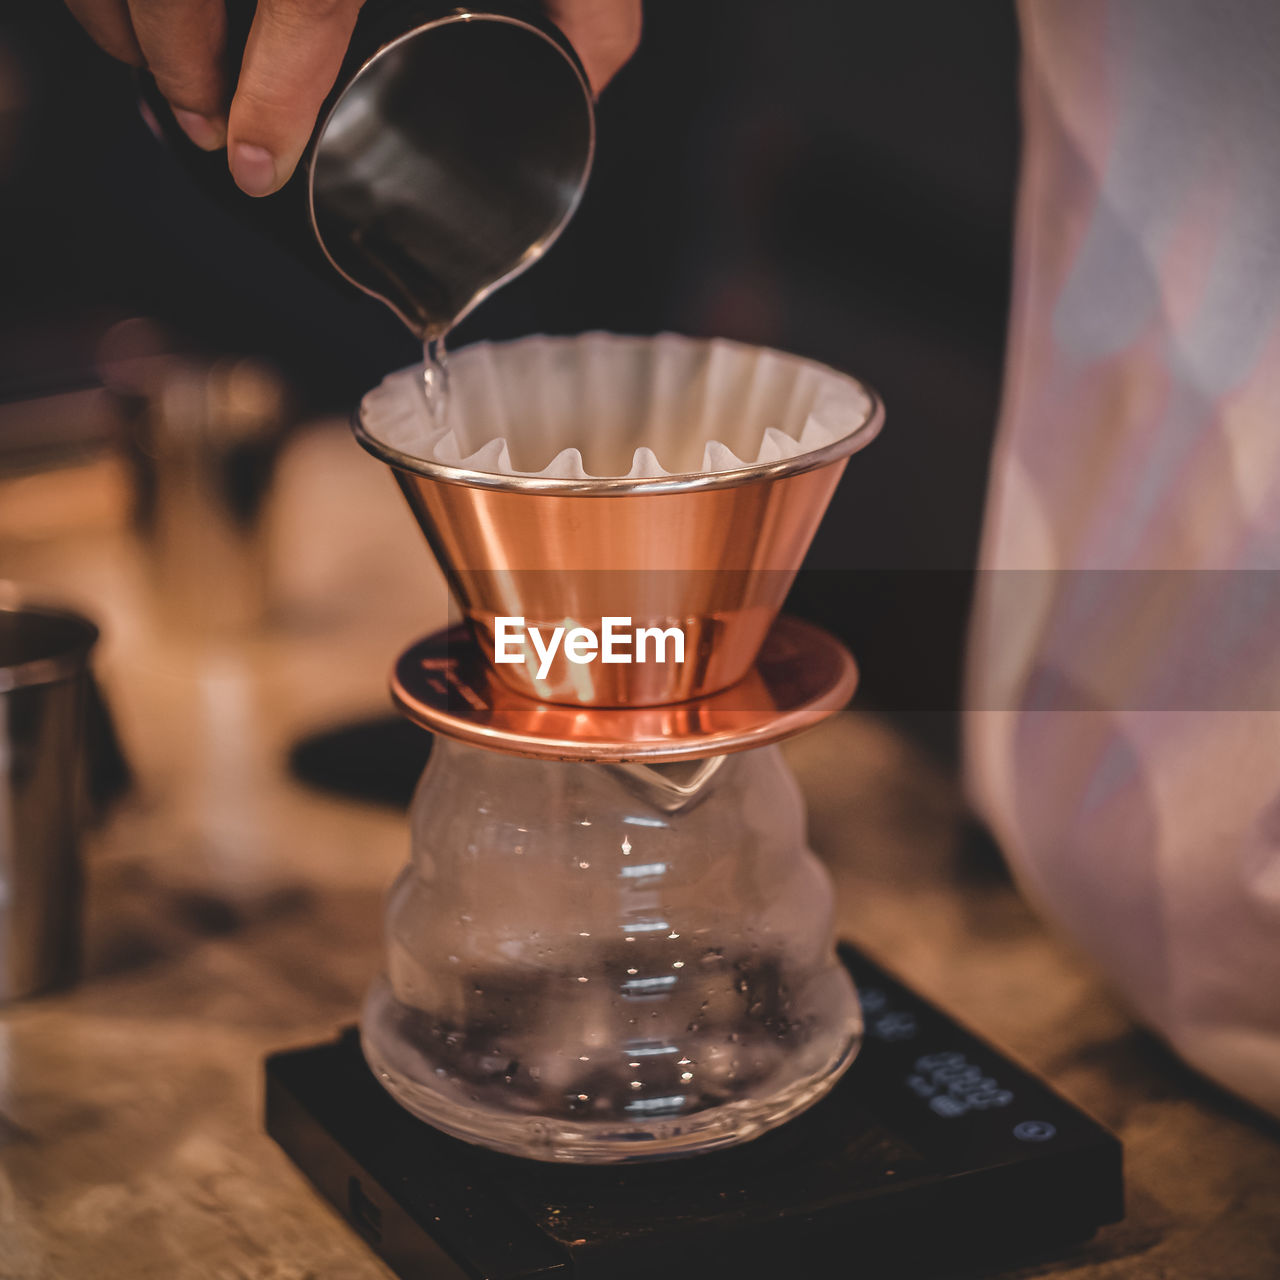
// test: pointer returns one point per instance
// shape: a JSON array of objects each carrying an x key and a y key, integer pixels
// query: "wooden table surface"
[{"x": 233, "y": 912}]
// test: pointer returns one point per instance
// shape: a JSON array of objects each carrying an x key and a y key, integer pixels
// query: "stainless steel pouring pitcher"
[{"x": 454, "y": 148}]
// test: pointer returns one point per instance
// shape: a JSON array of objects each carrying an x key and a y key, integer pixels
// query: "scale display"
[{"x": 934, "y": 1152}]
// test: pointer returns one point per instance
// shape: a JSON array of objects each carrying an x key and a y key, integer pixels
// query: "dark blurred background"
[{"x": 832, "y": 179}]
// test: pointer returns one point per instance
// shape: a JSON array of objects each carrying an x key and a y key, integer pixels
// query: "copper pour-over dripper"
[
  {"x": 628, "y": 953},
  {"x": 713, "y": 553}
]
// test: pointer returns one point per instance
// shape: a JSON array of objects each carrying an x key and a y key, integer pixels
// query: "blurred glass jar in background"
[{"x": 201, "y": 439}]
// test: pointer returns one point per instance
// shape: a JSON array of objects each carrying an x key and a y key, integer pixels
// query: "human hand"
[{"x": 294, "y": 51}]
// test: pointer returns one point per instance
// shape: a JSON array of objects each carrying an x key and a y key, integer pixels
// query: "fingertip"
[
  {"x": 254, "y": 169},
  {"x": 288, "y": 68},
  {"x": 605, "y": 34},
  {"x": 209, "y": 133}
]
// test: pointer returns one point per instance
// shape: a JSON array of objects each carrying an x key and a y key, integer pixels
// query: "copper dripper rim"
[{"x": 613, "y": 486}]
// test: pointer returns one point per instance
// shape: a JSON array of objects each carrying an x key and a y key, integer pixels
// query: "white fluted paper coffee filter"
[{"x": 601, "y": 406}]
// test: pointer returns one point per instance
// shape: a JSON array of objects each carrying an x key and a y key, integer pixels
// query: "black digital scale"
[{"x": 934, "y": 1154}]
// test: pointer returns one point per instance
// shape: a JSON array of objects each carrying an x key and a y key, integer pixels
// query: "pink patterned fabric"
[{"x": 1123, "y": 723}]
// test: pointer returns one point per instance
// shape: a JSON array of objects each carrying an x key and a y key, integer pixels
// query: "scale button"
[
  {"x": 872, "y": 999},
  {"x": 932, "y": 1061},
  {"x": 897, "y": 1024},
  {"x": 1034, "y": 1131},
  {"x": 921, "y": 1085}
]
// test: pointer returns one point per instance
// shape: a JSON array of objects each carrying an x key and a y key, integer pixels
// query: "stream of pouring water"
[{"x": 435, "y": 379}]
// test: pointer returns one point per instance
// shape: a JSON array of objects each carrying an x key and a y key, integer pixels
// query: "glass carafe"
[{"x": 597, "y": 962}]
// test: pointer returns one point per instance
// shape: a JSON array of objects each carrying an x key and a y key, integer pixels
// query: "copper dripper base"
[{"x": 446, "y": 684}]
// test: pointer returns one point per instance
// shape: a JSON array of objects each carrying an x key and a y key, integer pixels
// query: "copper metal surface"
[
  {"x": 713, "y": 554},
  {"x": 446, "y": 684}
]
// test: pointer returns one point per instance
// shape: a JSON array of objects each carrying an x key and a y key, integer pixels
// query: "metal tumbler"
[
  {"x": 452, "y": 150},
  {"x": 44, "y": 673}
]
